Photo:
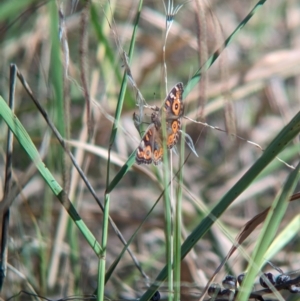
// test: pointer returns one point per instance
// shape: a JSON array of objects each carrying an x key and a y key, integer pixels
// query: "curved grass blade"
[
  {"x": 284, "y": 237},
  {"x": 197, "y": 76},
  {"x": 126, "y": 167},
  {"x": 102, "y": 38},
  {"x": 102, "y": 260},
  {"x": 114, "y": 264},
  {"x": 275, "y": 147},
  {"x": 22, "y": 136},
  {"x": 268, "y": 232},
  {"x": 124, "y": 82},
  {"x": 281, "y": 240},
  {"x": 81, "y": 173},
  {"x": 193, "y": 81},
  {"x": 66, "y": 149}
]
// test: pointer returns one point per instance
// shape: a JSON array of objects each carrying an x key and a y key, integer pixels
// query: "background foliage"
[{"x": 251, "y": 90}]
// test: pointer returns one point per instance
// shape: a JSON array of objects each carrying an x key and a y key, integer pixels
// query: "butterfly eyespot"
[
  {"x": 156, "y": 154},
  {"x": 176, "y": 107},
  {"x": 148, "y": 152},
  {"x": 171, "y": 139},
  {"x": 175, "y": 126}
]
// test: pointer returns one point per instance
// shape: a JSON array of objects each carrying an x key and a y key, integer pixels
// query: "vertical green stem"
[
  {"x": 168, "y": 212},
  {"x": 177, "y": 230},
  {"x": 102, "y": 258}
]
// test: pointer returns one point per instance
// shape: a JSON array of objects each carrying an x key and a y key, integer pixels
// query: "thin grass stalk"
[
  {"x": 74, "y": 256},
  {"x": 109, "y": 52},
  {"x": 61, "y": 120},
  {"x": 290, "y": 231},
  {"x": 190, "y": 85},
  {"x": 168, "y": 209},
  {"x": 196, "y": 77},
  {"x": 48, "y": 222},
  {"x": 90, "y": 188},
  {"x": 109, "y": 65},
  {"x": 83, "y": 63},
  {"x": 276, "y": 146},
  {"x": 22, "y": 136},
  {"x": 268, "y": 232},
  {"x": 67, "y": 165},
  {"x": 42, "y": 255},
  {"x": 82, "y": 175},
  {"x": 102, "y": 258},
  {"x": 170, "y": 13},
  {"x": 113, "y": 266},
  {"x": 7, "y": 180},
  {"x": 164, "y": 57},
  {"x": 4, "y": 240},
  {"x": 56, "y": 69},
  {"x": 178, "y": 224},
  {"x": 168, "y": 216},
  {"x": 9, "y": 144},
  {"x": 167, "y": 176},
  {"x": 124, "y": 81}
]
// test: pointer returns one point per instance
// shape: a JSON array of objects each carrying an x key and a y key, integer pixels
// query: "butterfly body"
[{"x": 150, "y": 149}]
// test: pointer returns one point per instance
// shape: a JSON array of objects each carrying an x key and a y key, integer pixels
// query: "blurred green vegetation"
[{"x": 252, "y": 90}]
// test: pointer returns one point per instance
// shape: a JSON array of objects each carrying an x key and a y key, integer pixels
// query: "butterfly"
[{"x": 151, "y": 147}]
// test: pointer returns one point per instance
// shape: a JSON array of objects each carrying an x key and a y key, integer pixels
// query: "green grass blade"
[
  {"x": 102, "y": 38},
  {"x": 56, "y": 76},
  {"x": 22, "y": 136},
  {"x": 268, "y": 232},
  {"x": 275, "y": 147},
  {"x": 56, "y": 72},
  {"x": 193, "y": 81},
  {"x": 286, "y": 235},
  {"x": 168, "y": 214},
  {"x": 7, "y": 182},
  {"x": 102, "y": 259},
  {"x": 124, "y": 82},
  {"x": 124, "y": 169},
  {"x": 197, "y": 76},
  {"x": 178, "y": 230},
  {"x": 13, "y": 8},
  {"x": 120, "y": 104}
]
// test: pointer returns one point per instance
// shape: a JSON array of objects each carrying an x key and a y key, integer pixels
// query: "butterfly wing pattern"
[{"x": 151, "y": 148}]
